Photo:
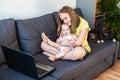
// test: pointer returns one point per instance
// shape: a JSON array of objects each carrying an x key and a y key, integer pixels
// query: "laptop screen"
[{"x": 24, "y": 63}]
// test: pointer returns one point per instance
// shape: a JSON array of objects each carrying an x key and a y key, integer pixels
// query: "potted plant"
[{"x": 111, "y": 9}]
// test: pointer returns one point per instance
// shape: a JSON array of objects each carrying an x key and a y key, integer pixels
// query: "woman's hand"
[
  {"x": 68, "y": 43},
  {"x": 61, "y": 39}
]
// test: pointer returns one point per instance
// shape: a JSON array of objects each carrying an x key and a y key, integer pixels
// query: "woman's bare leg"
[
  {"x": 60, "y": 55},
  {"x": 49, "y": 49},
  {"x": 47, "y": 54},
  {"x": 75, "y": 54},
  {"x": 63, "y": 52}
]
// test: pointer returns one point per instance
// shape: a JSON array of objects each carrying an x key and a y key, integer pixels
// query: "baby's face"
[{"x": 65, "y": 30}]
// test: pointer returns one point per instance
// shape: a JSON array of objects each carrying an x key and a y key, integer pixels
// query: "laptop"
[{"x": 24, "y": 63}]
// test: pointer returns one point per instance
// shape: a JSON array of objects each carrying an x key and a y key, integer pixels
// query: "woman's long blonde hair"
[{"x": 75, "y": 20}]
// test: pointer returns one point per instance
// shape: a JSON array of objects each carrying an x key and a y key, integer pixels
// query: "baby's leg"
[
  {"x": 63, "y": 52},
  {"x": 60, "y": 55},
  {"x": 54, "y": 44},
  {"x": 50, "y": 42},
  {"x": 47, "y": 54}
]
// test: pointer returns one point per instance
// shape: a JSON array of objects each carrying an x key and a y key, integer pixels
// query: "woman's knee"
[
  {"x": 79, "y": 53},
  {"x": 43, "y": 45}
]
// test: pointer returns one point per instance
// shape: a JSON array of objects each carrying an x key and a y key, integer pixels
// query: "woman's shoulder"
[
  {"x": 83, "y": 20},
  {"x": 83, "y": 24}
]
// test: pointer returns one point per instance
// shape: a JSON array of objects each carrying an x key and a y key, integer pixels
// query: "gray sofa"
[
  {"x": 118, "y": 49},
  {"x": 25, "y": 35}
]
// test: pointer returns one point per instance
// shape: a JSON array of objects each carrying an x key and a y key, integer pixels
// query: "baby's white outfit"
[{"x": 70, "y": 38}]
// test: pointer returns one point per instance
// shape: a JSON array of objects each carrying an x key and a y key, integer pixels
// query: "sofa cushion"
[
  {"x": 8, "y": 35},
  {"x": 30, "y": 30},
  {"x": 7, "y": 74},
  {"x": 10, "y": 74},
  {"x": 65, "y": 68},
  {"x": 77, "y": 10}
]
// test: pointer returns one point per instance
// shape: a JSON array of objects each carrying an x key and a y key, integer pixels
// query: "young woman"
[
  {"x": 67, "y": 35},
  {"x": 80, "y": 27}
]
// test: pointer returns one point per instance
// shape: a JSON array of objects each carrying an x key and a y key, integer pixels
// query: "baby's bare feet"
[
  {"x": 44, "y": 37},
  {"x": 52, "y": 58}
]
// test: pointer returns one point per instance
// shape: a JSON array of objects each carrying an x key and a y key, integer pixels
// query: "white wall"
[{"x": 22, "y": 9}]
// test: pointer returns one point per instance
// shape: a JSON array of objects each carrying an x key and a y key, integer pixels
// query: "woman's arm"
[
  {"x": 81, "y": 37},
  {"x": 74, "y": 36},
  {"x": 61, "y": 39},
  {"x": 68, "y": 43},
  {"x": 79, "y": 40}
]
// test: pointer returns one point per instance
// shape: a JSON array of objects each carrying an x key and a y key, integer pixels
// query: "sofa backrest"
[
  {"x": 8, "y": 36},
  {"x": 29, "y": 32}
]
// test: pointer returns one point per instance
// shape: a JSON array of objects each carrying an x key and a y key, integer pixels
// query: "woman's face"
[{"x": 65, "y": 18}]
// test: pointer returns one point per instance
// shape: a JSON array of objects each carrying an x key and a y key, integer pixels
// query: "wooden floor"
[{"x": 113, "y": 73}]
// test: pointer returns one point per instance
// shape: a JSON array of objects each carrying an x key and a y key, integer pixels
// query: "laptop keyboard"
[
  {"x": 45, "y": 67},
  {"x": 40, "y": 71}
]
